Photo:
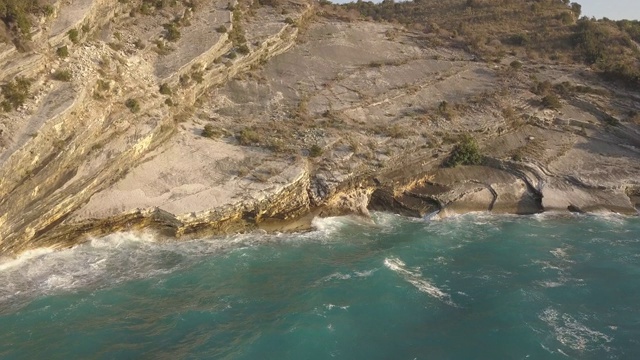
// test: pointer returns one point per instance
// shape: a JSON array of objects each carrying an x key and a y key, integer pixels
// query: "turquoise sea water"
[{"x": 471, "y": 287}]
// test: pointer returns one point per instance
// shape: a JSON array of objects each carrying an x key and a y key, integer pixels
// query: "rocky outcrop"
[
  {"x": 309, "y": 117},
  {"x": 90, "y": 143}
]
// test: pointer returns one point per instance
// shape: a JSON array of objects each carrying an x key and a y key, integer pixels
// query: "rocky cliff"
[{"x": 202, "y": 118}]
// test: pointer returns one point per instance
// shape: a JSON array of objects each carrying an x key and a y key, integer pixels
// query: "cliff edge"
[{"x": 205, "y": 117}]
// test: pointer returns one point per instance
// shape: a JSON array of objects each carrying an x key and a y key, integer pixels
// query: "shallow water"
[{"x": 471, "y": 287}]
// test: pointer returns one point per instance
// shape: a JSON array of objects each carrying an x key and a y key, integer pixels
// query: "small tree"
[{"x": 577, "y": 9}]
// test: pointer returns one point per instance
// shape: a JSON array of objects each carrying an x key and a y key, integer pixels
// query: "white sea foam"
[
  {"x": 355, "y": 274},
  {"x": 332, "y": 306},
  {"x": 331, "y": 225},
  {"x": 101, "y": 262},
  {"x": 561, "y": 253},
  {"x": 573, "y": 334},
  {"x": 550, "y": 284},
  {"x": 365, "y": 273},
  {"x": 338, "y": 276},
  {"x": 26, "y": 256},
  {"x": 415, "y": 278},
  {"x": 547, "y": 265}
]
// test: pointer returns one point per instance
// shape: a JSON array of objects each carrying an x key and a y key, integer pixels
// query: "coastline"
[
  {"x": 415, "y": 195},
  {"x": 291, "y": 136}
]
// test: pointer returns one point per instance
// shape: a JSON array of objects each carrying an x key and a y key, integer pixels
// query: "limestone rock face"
[{"x": 262, "y": 118}]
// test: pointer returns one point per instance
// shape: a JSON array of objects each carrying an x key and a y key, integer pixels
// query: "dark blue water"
[{"x": 473, "y": 287}]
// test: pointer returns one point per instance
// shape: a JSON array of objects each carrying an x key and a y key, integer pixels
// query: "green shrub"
[
  {"x": 162, "y": 48},
  {"x": 551, "y": 101},
  {"x": 198, "y": 76},
  {"x": 211, "y": 132},
  {"x": 63, "y": 51},
  {"x": 139, "y": 44},
  {"x": 103, "y": 85},
  {"x": 15, "y": 93},
  {"x": 446, "y": 110},
  {"x": 248, "y": 137},
  {"x": 184, "y": 80},
  {"x": 516, "y": 65},
  {"x": 566, "y": 18},
  {"x": 17, "y": 14},
  {"x": 62, "y": 75},
  {"x": 289, "y": 21},
  {"x": 48, "y": 10},
  {"x": 542, "y": 88},
  {"x": 73, "y": 36},
  {"x": 173, "y": 34},
  {"x": 165, "y": 89},
  {"x": 610, "y": 120},
  {"x": 221, "y": 29},
  {"x": 243, "y": 49},
  {"x": 519, "y": 39},
  {"x": 236, "y": 35},
  {"x": 576, "y": 9},
  {"x": 133, "y": 105},
  {"x": 466, "y": 152},
  {"x": 315, "y": 151}
]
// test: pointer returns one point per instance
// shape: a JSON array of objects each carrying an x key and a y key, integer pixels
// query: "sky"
[{"x": 613, "y": 9}]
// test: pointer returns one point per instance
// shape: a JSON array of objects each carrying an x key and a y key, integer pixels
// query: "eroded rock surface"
[{"x": 309, "y": 116}]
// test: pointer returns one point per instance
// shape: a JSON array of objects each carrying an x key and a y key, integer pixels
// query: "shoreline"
[{"x": 304, "y": 224}]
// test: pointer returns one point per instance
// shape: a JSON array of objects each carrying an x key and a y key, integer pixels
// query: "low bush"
[
  {"x": 466, "y": 152},
  {"x": 62, "y": 75},
  {"x": 516, "y": 65},
  {"x": 133, "y": 105},
  {"x": 173, "y": 34},
  {"x": 551, "y": 101},
  {"x": 243, "y": 49},
  {"x": 315, "y": 151},
  {"x": 62, "y": 52},
  {"x": 198, "y": 76},
  {"x": 139, "y": 44},
  {"x": 165, "y": 89},
  {"x": 248, "y": 137},
  {"x": 211, "y": 132},
  {"x": 15, "y": 93},
  {"x": 74, "y": 36}
]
